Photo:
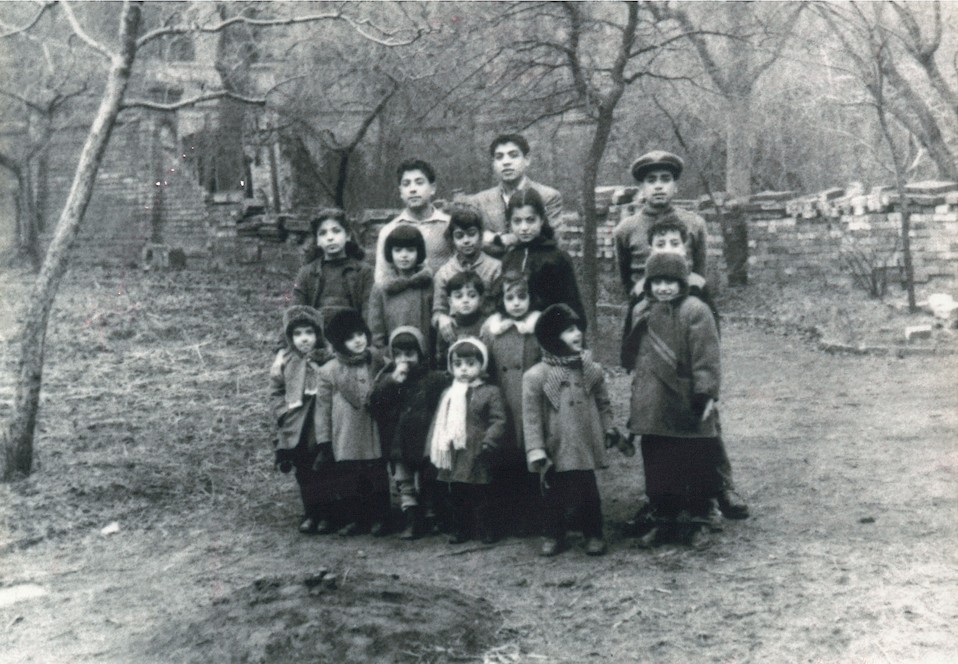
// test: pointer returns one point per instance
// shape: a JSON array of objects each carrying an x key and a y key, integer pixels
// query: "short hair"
[
  {"x": 510, "y": 280},
  {"x": 416, "y": 165},
  {"x": 463, "y": 279},
  {"x": 669, "y": 222},
  {"x": 462, "y": 216},
  {"x": 533, "y": 199},
  {"x": 467, "y": 350},
  {"x": 406, "y": 341},
  {"x": 406, "y": 236},
  {"x": 502, "y": 139},
  {"x": 338, "y": 215}
]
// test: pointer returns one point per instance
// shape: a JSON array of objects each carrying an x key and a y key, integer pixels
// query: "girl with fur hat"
[
  {"x": 335, "y": 276},
  {"x": 549, "y": 269},
  {"x": 509, "y": 334},
  {"x": 463, "y": 440},
  {"x": 567, "y": 424},
  {"x": 345, "y": 428},
  {"x": 405, "y": 295},
  {"x": 294, "y": 378},
  {"x": 674, "y": 390}
]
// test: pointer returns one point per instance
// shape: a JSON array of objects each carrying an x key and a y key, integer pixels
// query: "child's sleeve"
[
  {"x": 440, "y": 301},
  {"x": 604, "y": 404},
  {"x": 623, "y": 258},
  {"x": 533, "y": 419},
  {"x": 277, "y": 393},
  {"x": 496, "y": 419},
  {"x": 377, "y": 316},
  {"x": 705, "y": 355},
  {"x": 324, "y": 406}
]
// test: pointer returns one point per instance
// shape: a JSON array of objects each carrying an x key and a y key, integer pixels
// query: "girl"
[
  {"x": 567, "y": 423},
  {"x": 335, "y": 277},
  {"x": 405, "y": 295},
  {"x": 549, "y": 269},
  {"x": 513, "y": 350}
]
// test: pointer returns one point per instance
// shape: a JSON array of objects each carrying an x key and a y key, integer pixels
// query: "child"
[
  {"x": 405, "y": 296},
  {"x": 465, "y": 434},
  {"x": 509, "y": 334},
  {"x": 465, "y": 292},
  {"x": 674, "y": 389},
  {"x": 336, "y": 278},
  {"x": 403, "y": 400},
  {"x": 549, "y": 269},
  {"x": 465, "y": 233},
  {"x": 567, "y": 423},
  {"x": 294, "y": 377},
  {"x": 347, "y": 434}
]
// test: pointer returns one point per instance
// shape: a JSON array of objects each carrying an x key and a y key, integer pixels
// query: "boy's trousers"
[{"x": 571, "y": 490}]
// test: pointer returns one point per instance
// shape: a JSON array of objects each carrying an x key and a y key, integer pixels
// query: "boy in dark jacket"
[
  {"x": 465, "y": 435},
  {"x": 403, "y": 401},
  {"x": 465, "y": 292}
]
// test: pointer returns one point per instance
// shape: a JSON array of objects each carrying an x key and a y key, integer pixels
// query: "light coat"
[{"x": 347, "y": 422}]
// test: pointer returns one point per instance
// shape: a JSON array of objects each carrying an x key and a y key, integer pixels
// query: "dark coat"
[
  {"x": 485, "y": 426},
  {"x": 356, "y": 279},
  {"x": 550, "y": 271}
]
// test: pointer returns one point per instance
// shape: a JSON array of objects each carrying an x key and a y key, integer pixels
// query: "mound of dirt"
[{"x": 325, "y": 617}]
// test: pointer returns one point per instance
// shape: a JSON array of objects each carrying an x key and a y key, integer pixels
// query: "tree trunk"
[
  {"x": 738, "y": 186},
  {"x": 17, "y": 457}
]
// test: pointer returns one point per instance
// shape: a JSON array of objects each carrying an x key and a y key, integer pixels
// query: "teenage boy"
[
  {"x": 417, "y": 186},
  {"x": 510, "y": 160}
]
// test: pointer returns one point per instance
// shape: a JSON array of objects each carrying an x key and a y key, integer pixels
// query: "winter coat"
[
  {"x": 466, "y": 326},
  {"x": 550, "y": 271},
  {"x": 487, "y": 267},
  {"x": 342, "y": 283},
  {"x": 492, "y": 205},
  {"x": 511, "y": 354},
  {"x": 663, "y": 388},
  {"x": 289, "y": 410},
  {"x": 572, "y": 435},
  {"x": 342, "y": 414},
  {"x": 485, "y": 426},
  {"x": 400, "y": 301},
  {"x": 433, "y": 229}
]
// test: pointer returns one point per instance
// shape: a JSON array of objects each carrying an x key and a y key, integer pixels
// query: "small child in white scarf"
[{"x": 466, "y": 433}]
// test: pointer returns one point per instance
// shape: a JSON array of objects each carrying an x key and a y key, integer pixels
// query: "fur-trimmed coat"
[
  {"x": 400, "y": 301},
  {"x": 342, "y": 409},
  {"x": 485, "y": 426},
  {"x": 550, "y": 271}
]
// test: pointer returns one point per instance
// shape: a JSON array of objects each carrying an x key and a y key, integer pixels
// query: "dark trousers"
[
  {"x": 470, "y": 507},
  {"x": 362, "y": 491},
  {"x": 516, "y": 494},
  {"x": 572, "y": 490},
  {"x": 681, "y": 474}
]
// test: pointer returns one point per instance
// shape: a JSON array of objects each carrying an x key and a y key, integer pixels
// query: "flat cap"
[{"x": 657, "y": 160}]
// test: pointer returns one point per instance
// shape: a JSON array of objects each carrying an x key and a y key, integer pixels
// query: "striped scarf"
[{"x": 561, "y": 366}]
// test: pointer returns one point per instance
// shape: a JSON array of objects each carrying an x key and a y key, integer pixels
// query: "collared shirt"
[{"x": 433, "y": 229}]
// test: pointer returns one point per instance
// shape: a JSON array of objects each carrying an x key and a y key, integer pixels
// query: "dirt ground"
[{"x": 154, "y": 528}]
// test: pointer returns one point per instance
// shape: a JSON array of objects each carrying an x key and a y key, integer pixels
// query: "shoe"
[
  {"x": 379, "y": 529},
  {"x": 458, "y": 537},
  {"x": 550, "y": 547},
  {"x": 351, "y": 529},
  {"x": 413, "y": 528},
  {"x": 649, "y": 539},
  {"x": 308, "y": 526},
  {"x": 325, "y": 527},
  {"x": 595, "y": 546},
  {"x": 487, "y": 536},
  {"x": 732, "y": 506},
  {"x": 697, "y": 537}
]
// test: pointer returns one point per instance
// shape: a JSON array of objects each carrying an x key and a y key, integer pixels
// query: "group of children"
[{"x": 471, "y": 391}]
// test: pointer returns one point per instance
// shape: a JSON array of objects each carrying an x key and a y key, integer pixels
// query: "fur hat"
[
  {"x": 299, "y": 315},
  {"x": 405, "y": 235},
  {"x": 343, "y": 324},
  {"x": 404, "y": 332},
  {"x": 668, "y": 265},
  {"x": 657, "y": 160},
  {"x": 556, "y": 319},
  {"x": 472, "y": 341}
]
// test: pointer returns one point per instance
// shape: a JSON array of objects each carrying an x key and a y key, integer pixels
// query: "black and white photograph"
[{"x": 503, "y": 332}]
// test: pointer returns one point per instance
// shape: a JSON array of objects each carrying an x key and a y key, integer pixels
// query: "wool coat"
[
  {"x": 343, "y": 283},
  {"x": 661, "y": 401},
  {"x": 485, "y": 426},
  {"x": 433, "y": 229},
  {"x": 572, "y": 436},
  {"x": 550, "y": 272},
  {"x": 294, "y": 382},
  {"x": 400, "y": 301},
  {"x": 511, "y": 354},
  {"x": 342, "y": 414}
]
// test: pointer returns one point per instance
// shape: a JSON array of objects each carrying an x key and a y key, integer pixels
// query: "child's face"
[
  {"x": 668, "y": 241},
  {"x": 404, "y": 258},
  {"x": 572, "y": 338},
  {"x": 304, "y": 338},
  {"x": 331, "y": 238},
  {"x": 415, "y": 190},
  {"x": 658, "y": 188},
  {"x": 356, "y": 342},
  {"x": 407, "y": 357},
  {"x": 526, "y": 223},
  {"x": 464, "y": 300},
  {"x": 465, "y": 369},
  {"x": 467, "y": 241},
  {"x": 516, "y": 302},
  {"x": 508, "y": 163},
  {"x": 665, "y": 290}
]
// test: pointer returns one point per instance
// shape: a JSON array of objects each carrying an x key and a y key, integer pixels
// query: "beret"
[{"x": 657, "y": 160}]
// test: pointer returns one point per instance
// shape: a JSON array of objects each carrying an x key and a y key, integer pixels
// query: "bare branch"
[
  {"x": 192, "y": 101},
  {"x": 81, "y": 33},
  {"x": 10, "y": 31}
]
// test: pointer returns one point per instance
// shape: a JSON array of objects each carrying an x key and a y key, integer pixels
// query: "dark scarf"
[
  {"x": 559, "y": 368},
  {"x": 397, "y": 284},
  {"x": 351, "y": 389},
  {"x": 664, "y": 341},
  {"x": 467, "y": 320}
]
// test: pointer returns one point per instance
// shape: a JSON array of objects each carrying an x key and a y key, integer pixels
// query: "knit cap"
[
  {"x": 556, "y": 319},
  {"x": 343, "y": 325}
]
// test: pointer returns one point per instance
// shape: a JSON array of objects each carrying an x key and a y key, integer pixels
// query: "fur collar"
[
  {"x": 498, "y": 324},
  {"x": 396, "y": 284}
]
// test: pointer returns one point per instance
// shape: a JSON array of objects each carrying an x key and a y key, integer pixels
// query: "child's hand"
[
  {"x": 401, "y": 372},
  {"x": 447, "y": 327},
  {"x": 508, "y": 239},
  {"x": 539, "y": 465},
  {"x": 702, "y": 406},
  {"x": 612, "y": 437},
  {"x": 324, "y": 455}
]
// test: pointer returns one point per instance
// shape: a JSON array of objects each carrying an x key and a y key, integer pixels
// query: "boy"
[
  {"x": 403, "y": 401},
  {"x": 464, "y": 291},
  {"x": 294, "y": 377},
  {"x": 674, "y": 390},
  {"x": 466, "y": 434},
  {"x": 465, "y": 233},
  {"x": 417, "y": 186},
  {"x": 567, "y": 424}
]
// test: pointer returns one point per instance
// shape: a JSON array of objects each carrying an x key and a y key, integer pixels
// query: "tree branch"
[
  {"x": 81, "y": 33},
  {"x": 209, "y": 96},
  {"x": 10, "y": 31}
]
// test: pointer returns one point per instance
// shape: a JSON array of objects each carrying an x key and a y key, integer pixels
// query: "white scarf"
[
  {"x": 498, "y": 324},
  {"x": 449, "y": 431}
]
